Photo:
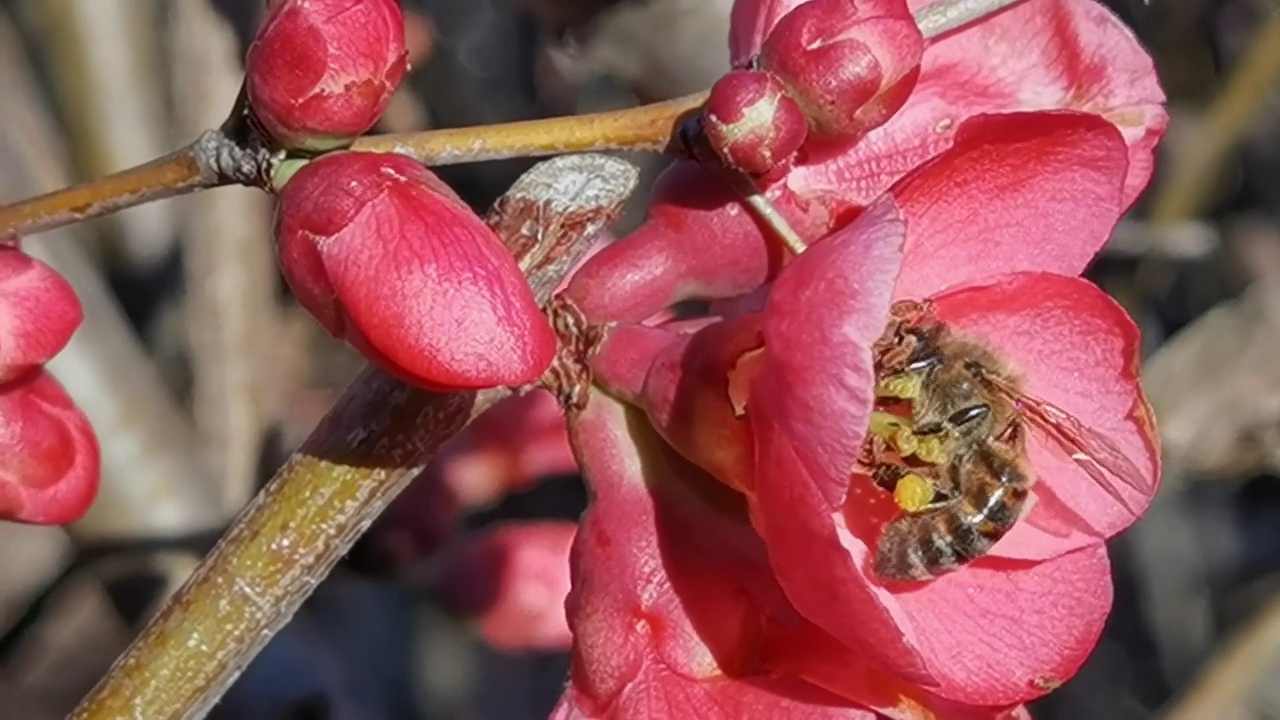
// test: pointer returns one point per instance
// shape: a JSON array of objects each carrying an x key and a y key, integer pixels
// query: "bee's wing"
[{"x": 1105, "y": 463}]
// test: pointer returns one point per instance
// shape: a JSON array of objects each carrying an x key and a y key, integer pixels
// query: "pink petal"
[
  {"x": 1038, "y": 55},
  {"x": 49, "y": 456},
  {"x": 39, "y": 311},
  {"x": 750, "y": 23},
  {"x": 809, "y": 410},
  {"x": 1077, "y": 349},
  {"x": 1029, "y": 191},
  {"x": 658, "y": 264},
  {"x": 1007, "y": 632},
  {"x": 670, "y": 590},
  {"x": 824, "y": 312}
]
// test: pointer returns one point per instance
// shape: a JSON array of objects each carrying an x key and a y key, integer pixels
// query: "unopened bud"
[
  {"x": 388, "y": 258},
  {"x": 850, "y": 64},
  {"x": 320, "y": 72},
  {"x": 751, "y": 122},
  {"x": 49, "y": 457}
]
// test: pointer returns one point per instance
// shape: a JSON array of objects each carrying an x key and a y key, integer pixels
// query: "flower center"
[{"x": 934, "y": 408}]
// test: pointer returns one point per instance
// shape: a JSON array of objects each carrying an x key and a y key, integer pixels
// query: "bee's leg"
[{"x": 914, "y": 489}]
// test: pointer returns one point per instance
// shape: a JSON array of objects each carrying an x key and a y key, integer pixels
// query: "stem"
[
  {"x": 212, "y": 160},
  {"x": 283, "y": 544},
  {"x": 377, "y": 438},
  {"x": 648, "y": 127}
]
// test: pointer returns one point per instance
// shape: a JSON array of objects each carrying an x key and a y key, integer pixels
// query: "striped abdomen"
[{"x": 925, "y": 545}]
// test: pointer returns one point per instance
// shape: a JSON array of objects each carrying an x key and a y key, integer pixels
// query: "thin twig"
[
  {"x": 942, "y": 17},
  {"x": 204, "y": 164},
  {"x": 377, "y": 438},
  {"x": 648, "y": 127}
]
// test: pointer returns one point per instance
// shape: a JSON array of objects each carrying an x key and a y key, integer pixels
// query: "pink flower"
[
  {"x": 320, "y": 72},
  {"x": 385, "y": 256},
  {"x": 984, "y": 197}
]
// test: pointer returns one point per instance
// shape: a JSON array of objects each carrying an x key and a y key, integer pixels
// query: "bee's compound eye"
[{"x": 968, "y": 415}]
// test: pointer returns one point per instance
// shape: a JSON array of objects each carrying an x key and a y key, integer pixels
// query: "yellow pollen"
[{"x": 913, "y": 492}]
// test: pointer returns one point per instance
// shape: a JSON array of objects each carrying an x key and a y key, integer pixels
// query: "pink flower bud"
[
  {"x": 388, "y": 258},
  {"x": 320, "y": 72},
  {"x": 511, "y": 581},
  {"x": 38, "y": 313},
  {"x": 49, "y": 458},
  {"x": 752, "y": 123},
  {"x": 850, "y": 64}
]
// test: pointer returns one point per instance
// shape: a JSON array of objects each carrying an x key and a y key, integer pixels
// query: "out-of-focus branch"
[
  {"x": 104, "y": 59},
  {"x": 230, "y": 272},
  {"x": 377, "y": 438},
  {"x": 1185, "y": 191},
  {"x": 1190, "y": 378},
  {"x": 151, "y": 483},
  {"x": 1230, "y": 686}
]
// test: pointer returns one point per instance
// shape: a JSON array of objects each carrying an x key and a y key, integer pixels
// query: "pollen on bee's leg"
[
  {"x": 906, "y": 386},
  {"x": 930, "y": 449},
  {"x": 913, "y": 492}
]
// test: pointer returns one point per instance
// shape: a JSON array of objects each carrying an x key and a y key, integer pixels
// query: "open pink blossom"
[
  {"x": 675, "y": 609},
  {"x": 1047, "y": 188}
]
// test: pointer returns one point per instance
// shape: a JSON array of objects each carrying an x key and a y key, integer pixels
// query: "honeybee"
[{"x": 968, "y": 421}]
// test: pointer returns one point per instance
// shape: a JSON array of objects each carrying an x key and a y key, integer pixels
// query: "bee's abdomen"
[{"x": 922, "y": 547}]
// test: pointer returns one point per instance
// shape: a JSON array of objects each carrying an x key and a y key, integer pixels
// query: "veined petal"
[
  {"x": 1019, "y": 192},
  {"x": 1037, "y": 55}
]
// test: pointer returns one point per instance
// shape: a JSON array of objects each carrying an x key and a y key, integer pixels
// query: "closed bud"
[
  {"x": 49, "y": 457},
  {"x": 751, "y": 122},
  {"x": 388, "y": 258},
  {"x": 850, "y": 64},
  {"x": 40, "y": 311},
  {"x": 320, "y": 72}
]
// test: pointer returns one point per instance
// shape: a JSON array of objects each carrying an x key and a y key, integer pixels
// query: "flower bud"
[
  {"x": 850, "y": 64},
  {"x": 511, "y": 581},
  {"x": 320, "y": 72},
  {"x": 40, "y": 311},
  {"x": 387, "y": 257},
  {"x": 752, "y": 123},
  {"x": 49, "y": 457}
]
